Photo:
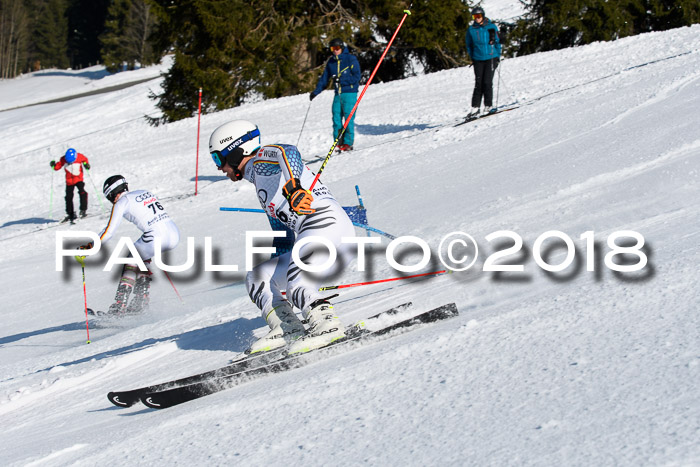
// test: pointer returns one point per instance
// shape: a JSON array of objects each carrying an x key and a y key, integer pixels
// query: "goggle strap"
[
  {"x": 243, "y": 139},
  {"x": 114, "y": 185}
]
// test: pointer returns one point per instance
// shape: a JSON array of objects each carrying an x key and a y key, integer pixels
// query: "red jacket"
[{"x": 74, "y": 171}]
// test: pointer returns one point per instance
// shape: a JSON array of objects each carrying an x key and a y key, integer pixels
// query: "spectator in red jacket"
[{"x": 73, "y": 163}]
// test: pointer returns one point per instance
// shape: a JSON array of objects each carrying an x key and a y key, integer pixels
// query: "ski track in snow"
[{"x": 572, "y": 368}]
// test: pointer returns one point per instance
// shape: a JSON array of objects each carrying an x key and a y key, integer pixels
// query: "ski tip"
[
  {"x": 445, "y": 311},
  {"x": 400, "y": 308},
  {"x": 118, "y": 400},
  {"x": 148, "y": 401},
  {"x": 450, "y": 309}
]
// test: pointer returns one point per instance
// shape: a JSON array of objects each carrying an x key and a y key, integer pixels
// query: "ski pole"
[
  {"x": 97, "y": 193},
  {"x": 372, "y": 229},
  {"x": 359, "y": 196},
  {"x": 498, "y": 88},
  {"x": 364, "y": 89},
  {"x": 199, "y": 118},
  {"x": 302, "y": 125},
  {"x": 358, "y": 284},
  {"x": 356, "y": 224},
  {"x": 500, "y": 80},
  {"x": 174, "y": 288},
  {"x": 81, "y": 260},
  {"x": 362, "y": 204}
]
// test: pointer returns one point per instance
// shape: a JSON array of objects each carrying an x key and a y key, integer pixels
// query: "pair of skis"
[
  {"x": 478, "y": 117},
  {"x": 160, "y": 396}
]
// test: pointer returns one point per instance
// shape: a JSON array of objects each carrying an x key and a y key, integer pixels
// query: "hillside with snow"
[{"x": 585, "y": 366}]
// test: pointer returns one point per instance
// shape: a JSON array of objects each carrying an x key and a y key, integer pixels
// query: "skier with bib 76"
[{"x": 143, "y": 209}]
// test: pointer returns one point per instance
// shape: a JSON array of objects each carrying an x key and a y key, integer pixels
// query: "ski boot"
[
  {"x": 285, "y": 327},
  {"x": 83, "y": 214},
  {"x": 474, "y": 113},
  {"x": 126, "y": 286},
  {"x": 141, "y": 296},
  {"x": 324, "y": 328}
]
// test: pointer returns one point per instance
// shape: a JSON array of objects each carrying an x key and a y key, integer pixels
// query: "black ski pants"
[
  {"x": 69, "y": 198},
  {"x": 483, "y": 81}
]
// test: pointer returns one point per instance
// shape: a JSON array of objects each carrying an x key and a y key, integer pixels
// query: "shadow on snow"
[{"x": 233, "y": 336}]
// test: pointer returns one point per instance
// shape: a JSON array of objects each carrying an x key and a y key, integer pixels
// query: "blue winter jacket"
[
  {"x": 344, "y": 65},
  {"x": 478, "y": 38}
]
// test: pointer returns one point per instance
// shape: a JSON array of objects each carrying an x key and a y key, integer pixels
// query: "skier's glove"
[
  {"x": 52, "y": 163},
  {"x": 87, "y": 246},
  {"x": 299, "y": 198},
  {"x": 86, "y": 165},
  {"x": 312, "y": 96}
]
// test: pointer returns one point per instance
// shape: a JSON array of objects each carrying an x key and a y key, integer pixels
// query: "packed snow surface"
[{"x": 583, "y": 366}]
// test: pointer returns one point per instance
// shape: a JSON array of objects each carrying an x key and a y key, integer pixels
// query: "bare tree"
[
  {"x": 13, "y": 37},
  {"x": 141, "y": 23}
]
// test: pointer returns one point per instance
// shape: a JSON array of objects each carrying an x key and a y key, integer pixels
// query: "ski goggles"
[
  {"x": 219, "y": 157},
  {"x": 477, "y": 16},
  {"x": 336, "y": 47}
]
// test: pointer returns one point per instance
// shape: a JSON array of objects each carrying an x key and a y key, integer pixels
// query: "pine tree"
[
  {"x": 86, "y": 22},
  {"x": 433, "y": 35},
  {"x": 140, "y": 27},
  {"x": 555, "y": 24},
  {"x": 669, "y": 14},
  {"x": 50, "y": 35},
  {"x": 238, "y": 51},
  {"x": 125, "y": 39},
  {"x": 113, "y": 39}
]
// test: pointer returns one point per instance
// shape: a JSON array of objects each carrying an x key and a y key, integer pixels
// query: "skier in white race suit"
[
  {"x": 145, "y": 211},
  {"x": 280, "y": 178}
]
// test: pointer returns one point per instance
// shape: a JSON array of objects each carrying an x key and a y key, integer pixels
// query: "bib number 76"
[{"x": 155, "y": 205}]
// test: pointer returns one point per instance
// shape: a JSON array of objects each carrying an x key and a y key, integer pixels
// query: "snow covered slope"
[{"x": 570, "y": 368}]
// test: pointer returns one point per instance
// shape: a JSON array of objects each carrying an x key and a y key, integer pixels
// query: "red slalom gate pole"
[
  {"x": 345, "y": 286},
  {"x": 199, "y": 118},
  {"x": 347, "y": 120},
  {"x": 173, "y": 285},
  {"x": 81, "y": 260}
]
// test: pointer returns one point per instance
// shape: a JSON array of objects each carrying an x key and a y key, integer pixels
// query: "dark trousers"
[
  {"x": 69, "y": 198},
  {"x": 483, "y": 81}
]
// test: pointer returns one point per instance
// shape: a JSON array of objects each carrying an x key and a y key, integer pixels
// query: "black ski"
[
  {"x": 92, "y": 312},
  {"x": 129, "y": 398},
  {"x": 178, "y": 395},
  {"x": 108, "y": 315},
  {"x": 479, "y": 117}
]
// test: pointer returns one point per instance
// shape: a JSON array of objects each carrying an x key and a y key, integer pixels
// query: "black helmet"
[
  {"x": 113, "y": 186},
  {"x": 336, "y": 43},
  {"x": 477, "y": 10}
]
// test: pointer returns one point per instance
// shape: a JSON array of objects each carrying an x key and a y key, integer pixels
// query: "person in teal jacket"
[
  {"x": 484, "y": 48},
  {"x": 344, "y": 69}
]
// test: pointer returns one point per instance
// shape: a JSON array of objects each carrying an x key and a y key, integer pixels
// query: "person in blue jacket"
[
  {"x": 484, "y": 48},
  {"x": 344, "y": 69}
]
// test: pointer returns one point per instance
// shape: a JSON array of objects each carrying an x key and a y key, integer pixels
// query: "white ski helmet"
[{"x": 233, "y": 141}]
